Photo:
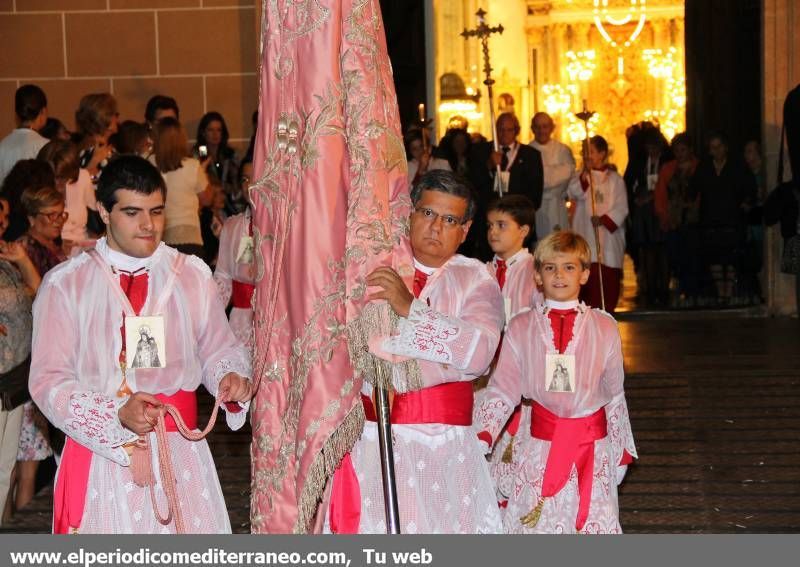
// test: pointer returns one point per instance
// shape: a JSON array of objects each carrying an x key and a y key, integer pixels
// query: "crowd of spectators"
[{"x": 48, "y": 213}]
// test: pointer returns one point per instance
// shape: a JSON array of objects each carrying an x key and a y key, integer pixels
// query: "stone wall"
[{"x": 201, "y": 52}]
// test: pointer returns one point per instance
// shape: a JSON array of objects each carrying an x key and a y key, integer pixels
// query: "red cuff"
[
  {"x": 484, "y": 436},
  {"x": 584, "y": 183},
  {"x": 608, "y": 223},
  {"x": 626, "y": 458},
  {"x": 233, "y": 407}
]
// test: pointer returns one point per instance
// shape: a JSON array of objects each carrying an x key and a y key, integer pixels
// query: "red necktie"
[
  {"x": 501, "y": 272},
  {"x": 420, "y": 279}
]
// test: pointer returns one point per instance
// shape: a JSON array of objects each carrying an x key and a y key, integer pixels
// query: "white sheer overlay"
[
  {"x": 75, "y": 375},
  {"x": 599, "y": 384}
]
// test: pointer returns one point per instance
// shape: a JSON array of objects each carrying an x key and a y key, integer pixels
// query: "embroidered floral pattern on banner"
[{"x": 330, "y": 205}]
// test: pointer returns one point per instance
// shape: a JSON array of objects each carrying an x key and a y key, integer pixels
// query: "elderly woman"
[
  {"x": 44, "y": 208},
  {"x": 19, "y": 281},
  {"x": 97, "y": 120}
]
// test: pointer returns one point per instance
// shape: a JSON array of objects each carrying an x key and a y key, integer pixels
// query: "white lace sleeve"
[
  {"x": 234, "y": 419},
  {"x": 490, "y": 415},
  {"x": 224, "y": 286},
  {"x": 93, "y": 422},
  {"x": 429, "y": 335},
  {"x": 619, "y": 428}
]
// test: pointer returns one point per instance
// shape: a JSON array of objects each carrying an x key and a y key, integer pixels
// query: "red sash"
[
  {"x": 448, "y": 404},
  {"x": 242, "y": 295},
  {"x": 571, "y": 442},
  {"x": 69, "y": 497}
]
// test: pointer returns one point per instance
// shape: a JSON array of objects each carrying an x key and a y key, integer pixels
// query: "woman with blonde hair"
[
  {"x": 97, "y": 119},
  {"x": 188, "y": 187}
]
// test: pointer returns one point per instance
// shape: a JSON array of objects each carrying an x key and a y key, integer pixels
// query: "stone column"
[{"x": 781, "y": 70}]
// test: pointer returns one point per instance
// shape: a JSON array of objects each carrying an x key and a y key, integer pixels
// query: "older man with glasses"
[{"x": 449, "y": 328}]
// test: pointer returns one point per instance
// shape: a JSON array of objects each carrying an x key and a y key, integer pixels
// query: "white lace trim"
[
  {"x": 94, "y": 423},
  {"x": 429, "y": 335},
  {"x": 619, "y": 428},
  {"x": 490, "y": 415},
  {"x": 234, "y": 420}
]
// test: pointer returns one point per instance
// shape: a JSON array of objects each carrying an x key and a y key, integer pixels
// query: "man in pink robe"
[
  {"x": 451, "y": 324},
  {"x": 330, "y": 205},
  {"x": 79, "y": 380}
]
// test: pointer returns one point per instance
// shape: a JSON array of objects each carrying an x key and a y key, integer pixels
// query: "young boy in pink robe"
[
  {"x": 451, "y": 326},
  {"x": 510, "y": 223},
  {"x": 566, "y": 358},
  {"x": 81, "y": 375}
]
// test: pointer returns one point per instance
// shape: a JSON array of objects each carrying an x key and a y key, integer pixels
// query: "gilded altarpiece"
[{"x": 625, "y": 58}]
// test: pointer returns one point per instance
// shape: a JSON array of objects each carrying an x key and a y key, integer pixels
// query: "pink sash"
[{"x": 69, "y": 497}]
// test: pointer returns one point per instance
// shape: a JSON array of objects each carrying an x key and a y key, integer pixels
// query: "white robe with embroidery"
[
  {"x": 520, "y": 373},
  {"x": 75, "y": 375},
  {"x": 610, "y": 199},
  {"x": 228, "y": 269},
  {"x": 443, "y": 480},
  {"x": 520, "y": 292},
  {"x": 559, "y": 168}
]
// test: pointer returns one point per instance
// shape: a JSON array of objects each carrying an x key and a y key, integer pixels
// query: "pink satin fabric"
[{"x": 330, "y": 205}]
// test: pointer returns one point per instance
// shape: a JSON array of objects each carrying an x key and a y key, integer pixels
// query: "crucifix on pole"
[
  {"x": 482, "y": 32},
  {"x": 585, "y": 116}
]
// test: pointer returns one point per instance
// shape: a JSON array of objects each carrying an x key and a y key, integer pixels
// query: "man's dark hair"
[
  {"x": 160, "y": 102},
  {"x": 29, "y": 101},
  {"x": 128, "y": 172},
  {"x": 446, "y": 182},
  {"x": 518, "y": 207}
]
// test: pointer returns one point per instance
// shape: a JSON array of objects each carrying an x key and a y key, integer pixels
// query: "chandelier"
[{"x": 635, "y": 12}]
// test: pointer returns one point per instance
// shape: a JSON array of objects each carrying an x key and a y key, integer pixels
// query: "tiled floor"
[{"x": 715, "y": 406}]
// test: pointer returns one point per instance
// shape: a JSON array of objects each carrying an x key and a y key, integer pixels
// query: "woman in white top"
[
  {"x": 420, "y": 158},
  {"x": 187, "y": 187}
]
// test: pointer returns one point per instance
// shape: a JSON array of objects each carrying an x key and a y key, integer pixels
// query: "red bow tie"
[
  {"x": 420, "y": 279},
  {"x": 500, "y": 272}
]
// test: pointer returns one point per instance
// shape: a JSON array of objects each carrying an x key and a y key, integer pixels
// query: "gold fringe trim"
[
  {"x": 530, "y": 519},
  {"x": 378, "y": 320},
  {"x": 508, "y": 454},
  {"x": 338, "y": 444}
]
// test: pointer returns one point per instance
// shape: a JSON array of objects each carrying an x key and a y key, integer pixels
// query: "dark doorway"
[
  {"x": 723, "y": 70},
  {"x": 404, "y": 21}
]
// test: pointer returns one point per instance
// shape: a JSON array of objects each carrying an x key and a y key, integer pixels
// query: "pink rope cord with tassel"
[{"x": 141, "y": 461}]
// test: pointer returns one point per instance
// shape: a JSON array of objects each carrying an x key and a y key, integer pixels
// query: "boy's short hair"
[
  {"x": 518, "y": 207},
  {"x": 562, "y": 242},
  {"x": 128, "y": 172}
]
